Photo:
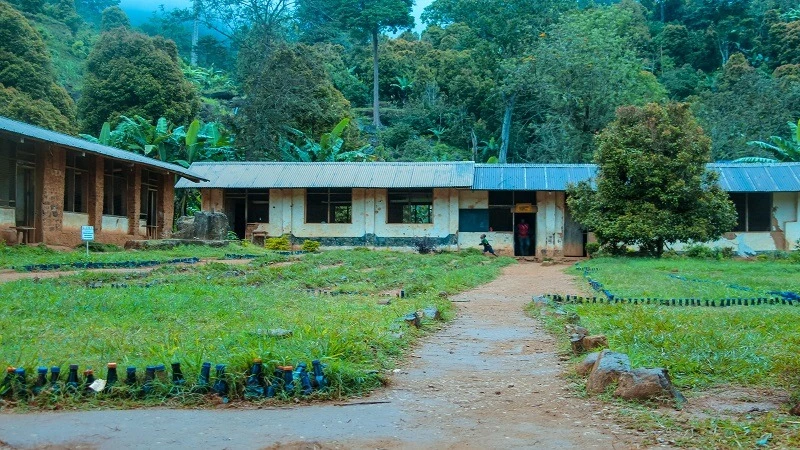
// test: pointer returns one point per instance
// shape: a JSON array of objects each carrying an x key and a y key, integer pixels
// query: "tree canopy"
[{"x": 652, "y": 186}]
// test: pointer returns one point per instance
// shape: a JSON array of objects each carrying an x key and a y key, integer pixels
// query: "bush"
[
  {"x": 231, "y": 236},
  {"x": 424, "y": 246},
  {"x": 592, "y": 248},
  {"x": 278, "y": 243},
  {"x": 699, "y": 251},
  {"x": 310, "y": 246}
]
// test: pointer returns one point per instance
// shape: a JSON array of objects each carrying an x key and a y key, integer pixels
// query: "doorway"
[
  {"x": 25, "y": 196},
  {"x": 530, "y": 220},
  {"x": 236, "y": 210}
]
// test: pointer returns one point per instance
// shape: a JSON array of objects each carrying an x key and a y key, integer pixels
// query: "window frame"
[
  {"x": 117, "y": 186},
  {"x": 8, "y": 161},
  {"x": 409, "y": 209},
  {"x": 330, "y": 205},
  {"x": 76, "y": 166},
  {"x": 249, "y": 201},
  {"x": 743, "y": 202}
]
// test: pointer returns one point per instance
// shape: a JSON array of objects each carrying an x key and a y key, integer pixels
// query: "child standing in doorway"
[{"x": 486, "y": 246}]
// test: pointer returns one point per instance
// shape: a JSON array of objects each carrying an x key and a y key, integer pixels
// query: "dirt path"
[{"x": 490, "y": 379}]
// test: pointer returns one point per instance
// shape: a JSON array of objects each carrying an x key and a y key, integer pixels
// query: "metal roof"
[
  {"x": 40, "y": 134},
  {"x": 287, "y": 175},
  {"x": 758, "y": 177},
  {"x": 530, "y": 177}
]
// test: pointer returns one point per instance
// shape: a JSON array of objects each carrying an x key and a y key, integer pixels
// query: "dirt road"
[{"x": 490, "y": 379}]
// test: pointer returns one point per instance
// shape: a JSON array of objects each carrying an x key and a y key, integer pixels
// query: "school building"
[
  {"x": 52, "y": 184},
  {"x": 395, "y": 204}
]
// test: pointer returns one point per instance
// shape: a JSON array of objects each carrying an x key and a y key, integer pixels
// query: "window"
[
  {"x": 8, "y": 167},
  {"x": 76, "y": 183},
  {"x": 410, "y": 206},
  {"x": 500, "y": 205},
  {"x": 115, "y": 190},
  {"x": 754, "y": 211},
  {"x": 329, "y": 206},
  {"x": 248, "y": 205}
]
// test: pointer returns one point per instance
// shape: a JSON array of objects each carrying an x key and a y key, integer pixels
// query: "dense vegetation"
[{"x": 517, "y": 81}]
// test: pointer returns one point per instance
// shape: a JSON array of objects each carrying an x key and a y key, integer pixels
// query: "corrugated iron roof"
[
  {"x": 40, "y": 134},
  {"x": 775, "y": 177},
  {"x": 530, "y": 177},
  {"x": 287, "y": 175}
]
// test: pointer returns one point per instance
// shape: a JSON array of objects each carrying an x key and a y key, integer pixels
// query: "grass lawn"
[
  {"x": 703, "y": 347},
  {"x": 223, "y": 313},
  {"x": 19, "y": 256}
]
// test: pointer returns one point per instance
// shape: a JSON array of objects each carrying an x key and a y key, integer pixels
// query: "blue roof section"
[
  {"x": 760, "y": 177},
  {"x": 40, "y": 134},
  {"x": 530, "y": 177},
  {"x": 288, "y": 175}
]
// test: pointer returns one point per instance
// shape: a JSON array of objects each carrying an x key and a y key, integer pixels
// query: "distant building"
[
  {"x": 51, "y": 184},
  {"x": 451, "y": 203}
]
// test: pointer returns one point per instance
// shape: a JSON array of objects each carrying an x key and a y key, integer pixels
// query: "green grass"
[
  {"x": 18, "y": 256},
  {"x": 222, "y": 313},
  {"x": 750, "y": 346}
]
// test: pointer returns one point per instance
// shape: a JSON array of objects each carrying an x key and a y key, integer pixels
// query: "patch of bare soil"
[{"x": 731, "y": 401}]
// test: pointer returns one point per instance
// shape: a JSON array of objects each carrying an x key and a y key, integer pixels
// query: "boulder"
[
  {"x": 646, "y": 384},
  {"x": 541, "y": 300},
  {"x": 571, "y": 329},
  {"x": 217, "y": 226},
  {"x": 607, "y": 370},
  {"x": 597, "y": 341},
  {"x": 576, "y": 342},
  {"x": 584, "y": 367},
  {"x": 432, "y": 312}
]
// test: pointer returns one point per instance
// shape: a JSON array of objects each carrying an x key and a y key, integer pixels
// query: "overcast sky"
[{"x": 152, "y": 5}]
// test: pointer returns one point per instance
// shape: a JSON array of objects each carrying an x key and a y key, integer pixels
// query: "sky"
[{"x": 152, "y": 5}]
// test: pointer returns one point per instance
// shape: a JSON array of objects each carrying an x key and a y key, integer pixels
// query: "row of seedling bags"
[
  {"x": 285, "y": 381},
  {"x": 108, "y": 265},
  {"x": 672, "y": 301}
]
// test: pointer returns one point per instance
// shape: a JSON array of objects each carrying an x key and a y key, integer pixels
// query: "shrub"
[
  {"x": 278, "y": 243},
  {"x": 231, "y": 236},
  {"x": 699, "y": 251},
  {"x": 424, "y": 246},
  {"x": 310, "y": 246},
  {"x": 592, "y": 248}
]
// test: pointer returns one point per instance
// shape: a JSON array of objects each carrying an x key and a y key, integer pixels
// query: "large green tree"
[
  {"x": 132, "y": 74},
  {"x": 652, "y": 186},
  {"x": 364, "y": 19},
  {"x": 27, "y": 79}
]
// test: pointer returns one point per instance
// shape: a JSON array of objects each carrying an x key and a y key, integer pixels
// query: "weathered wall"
[
  {"x": 7, "y": 220},
  {"x": 502, "y": 241},
  {"x": 473, "y": 200},
  {"x": 212, "y": 200},
  {"x": 368, "y": 226},
  {"x": 549, "y": 223}
]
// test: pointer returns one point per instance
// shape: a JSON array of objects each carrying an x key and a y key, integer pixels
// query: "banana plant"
[
  {"x": 327, "y": 149},
  {"x": 783, "y": 150}
]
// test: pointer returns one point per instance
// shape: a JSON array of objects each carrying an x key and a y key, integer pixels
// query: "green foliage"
[
  {"x": 329, "y": 147},
  {"x": 310, "y": 246},
  {"x": 114, "y": 17},
  {"x": 783, "y": 150},
  {"x": 278, "y": 243},
  {"x": 652, "y": 185},
  {"x": 592, "y": 248},
  {"x": 27, "y": 79},
  {"x": 130, "y": 74},
  {"x": 703, "y": 251},
  {"x": 286, "y": 89}
]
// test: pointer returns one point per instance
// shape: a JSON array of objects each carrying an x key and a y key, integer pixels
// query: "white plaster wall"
[
  {"x": 8, "y": 220},
  {"x": 473, "y": 199},
  {"x": 300, "y": 228},
  {"x": 115, "y": 224},
  {"x": 549, "y": 223},
  {"x": 445, "y": 201},
  {"x": 502, "y": 241},
  {"x": 75, "y": 221},
  {"x": 787, "y": 216}
]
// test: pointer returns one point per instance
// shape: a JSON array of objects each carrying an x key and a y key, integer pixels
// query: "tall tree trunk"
[
  {"x": 506, "y": 131},
  {"x": 195, "y": 32},
  {"x": 376, "y": 113},
  {"x": 474, "y": 138}
]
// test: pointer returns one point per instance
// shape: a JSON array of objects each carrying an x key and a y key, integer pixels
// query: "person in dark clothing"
[
  {"x": 486, "y": 246},
  {"x": 523, "y": 237}
]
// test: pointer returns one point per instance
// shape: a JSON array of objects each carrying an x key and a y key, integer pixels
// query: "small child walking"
[{"x": 486, "y": 246}]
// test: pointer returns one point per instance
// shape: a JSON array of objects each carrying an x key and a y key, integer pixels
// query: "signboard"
[
  {"x": 524, "y": 208},
  {"x": 87, "y": 233}
]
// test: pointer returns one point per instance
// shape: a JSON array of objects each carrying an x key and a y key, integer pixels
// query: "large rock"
[
  {"x": 584, "y": 367},
  {"x": 598, "y": 341},
  {"x": 646, "y": 384},
  {"x": 607, "y": 370},
  {"x": 204, "y": 226}
]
